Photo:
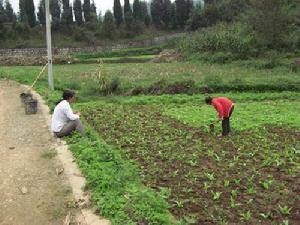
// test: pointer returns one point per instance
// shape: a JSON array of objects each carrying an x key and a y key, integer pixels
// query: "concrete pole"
[{"x": 49, "y": 46}]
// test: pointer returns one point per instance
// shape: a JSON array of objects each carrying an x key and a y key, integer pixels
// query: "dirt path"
[{"x": 31, "y": 193}]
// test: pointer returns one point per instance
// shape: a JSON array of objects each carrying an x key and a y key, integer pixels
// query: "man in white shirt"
[{"x": 64, "y": 121}]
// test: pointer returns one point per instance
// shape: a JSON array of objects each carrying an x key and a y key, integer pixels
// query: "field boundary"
[{"x": 76, "y": 180}]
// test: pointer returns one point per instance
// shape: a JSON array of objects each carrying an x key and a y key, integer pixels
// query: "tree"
[
  {"x": 137, "y": 10},
  {"x": 166, "y": 15},
  {"x": 67, "y": 15},
  {"x": 206, "y": 2},
  {"x": 145, "y": 13},
  {"x": 127, "y": 8},
  {"x": 41, "y": 12},
  {"x": 9, "y": 12},
  {"x": 270, "y": 20},
  {"x": 156, "y": 12},
  {"x": 196, "y": 19},
  {"x": 109, "y": 25},
  {"x": 229, "y": 10},
  {"x": 173, "y": 17},
  {"x": 2, "y": 20},
  {"x": 30, "y": 12},
  {"x": 87, "y": 10},
  {"x": 210, "y": 15},
  {"x": 55, "y": 9},
  {"x": 189, "y": 8},
  {"x": 22, "y": 11},
  {"x": 181, "y": 12},
  {"x": 77, "y": 6},
  {"x": 93, "y": 12},
  {"x": 100, "y": 18},
  {"x": 118, "y": 14}
]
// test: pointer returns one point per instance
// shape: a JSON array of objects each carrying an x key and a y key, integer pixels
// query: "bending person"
[
  {"x": 64, "y": 121},
  {"x": 224, "y": 107}
]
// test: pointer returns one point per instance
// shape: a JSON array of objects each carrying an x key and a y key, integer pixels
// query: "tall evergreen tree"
[
  {"x": 206, "y": 2},
  {"x": 87, "y": 10},
  {"x": 128, "y": 17},
  {"x": 137, "y": 10},
  {"x": 118, "y": 14},
  {"x": 271, "y": 21},
  {"x": 145, "y": 13},
  {"x": 93, "y": 13},
  {"x": 30, "y": 12},
  {"x": 100, "y": 18},
  {"x": 181, "y": 7},
  {"x": 197, "y": 19},
  {"x": 9, "y": 12},
  {"x": 2, "y": 14},
  {"x": 2, "y": 20},
  {"x": 189, "y": 8},
  {"x": 77, "y": 6},
  {"x": 127, "y": 8},
  {"x": 173, "y": 17},
  {"x": 230, "y": 10},
  {"x": 67, "y": 15},
  {"x": 55, "y": 9},
  {"x": 156, "y": 12},
  {"x": 22, "y": 11},
  {"x": 41, "y": 12},
  {"x": 109, "y": 25},
  {"x": 166, "y": 15}
]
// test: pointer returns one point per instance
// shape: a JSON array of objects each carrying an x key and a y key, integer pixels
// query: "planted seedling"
[
  {"x": 226, "y": 183},
  {"x": 216, "y": 195},
  {"x": 265, "y": 215},
  {"x": 266, "y": 184},
  {"x": 246, "y": 216},
  {"x": 285, "y": 222},
  {"x": 284, "y": 210},
  {"x": 234, "y": 193},
  {"x": 209, "y": 176},
  {"x": 233, "y": 203},
  {"x": 206, "y": 186}
]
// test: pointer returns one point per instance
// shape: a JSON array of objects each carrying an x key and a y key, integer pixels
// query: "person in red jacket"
[{"x": 224, "y": 107}]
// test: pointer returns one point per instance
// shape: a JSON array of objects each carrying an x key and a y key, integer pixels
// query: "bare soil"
[
  {"x": 194, "y": 165},
  {"x": 31, "y": 192}
]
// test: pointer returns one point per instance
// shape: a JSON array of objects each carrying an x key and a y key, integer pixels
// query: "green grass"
[
  {"x": 144, "y": 75},
  {"x": 120, "y": 53},
  {"x": 147, "y": 155},
  {"x": 115, "y": 184},
  {"x": 247, "y": 116}
]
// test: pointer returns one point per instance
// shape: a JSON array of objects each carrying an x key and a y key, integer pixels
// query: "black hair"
[
  {"x": 208, "y": 100},
  {"x": 66, "y": 95}
]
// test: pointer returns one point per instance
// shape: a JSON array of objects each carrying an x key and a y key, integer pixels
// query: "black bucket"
[
  {"x": 31, "y": 106},
  {"x": 25, "y": 97}
]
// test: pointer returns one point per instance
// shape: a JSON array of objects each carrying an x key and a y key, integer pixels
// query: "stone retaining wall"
[{"x": 110, "y": 47}]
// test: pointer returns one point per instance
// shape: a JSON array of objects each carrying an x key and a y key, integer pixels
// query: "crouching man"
[{"x": 64, "y": 121}]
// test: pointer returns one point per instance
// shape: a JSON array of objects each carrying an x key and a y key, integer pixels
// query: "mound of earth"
[{"x": 168, "y": 56}]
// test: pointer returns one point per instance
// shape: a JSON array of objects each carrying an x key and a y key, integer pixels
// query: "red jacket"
[{"x": 223, "y": 105}]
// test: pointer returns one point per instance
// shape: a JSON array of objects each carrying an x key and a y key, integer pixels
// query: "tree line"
[
  {"x": 125, "y": 20},
  {"x": 270, "y": 19}
]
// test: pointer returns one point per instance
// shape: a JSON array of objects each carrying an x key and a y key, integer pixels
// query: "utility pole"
[{"x": 49, "y": 46}]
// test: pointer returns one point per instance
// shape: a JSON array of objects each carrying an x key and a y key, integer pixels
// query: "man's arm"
[{"x": 69, "y": 113}]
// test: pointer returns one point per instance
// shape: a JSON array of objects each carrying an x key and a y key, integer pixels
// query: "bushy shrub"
[
  {"x": 114, "y": 85},
  {"x": 235, "y": 38},
  {"x": 213, "y": 81}
]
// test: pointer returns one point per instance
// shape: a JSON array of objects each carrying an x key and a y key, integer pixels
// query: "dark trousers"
[{"x": 226, "y": 123}]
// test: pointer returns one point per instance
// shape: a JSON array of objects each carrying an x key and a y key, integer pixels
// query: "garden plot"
[{"x": 251, "y": 177}]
